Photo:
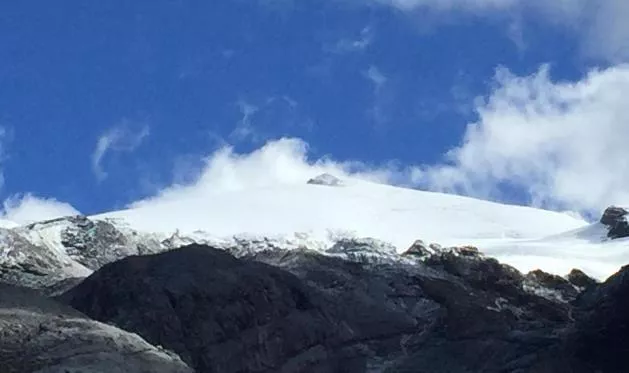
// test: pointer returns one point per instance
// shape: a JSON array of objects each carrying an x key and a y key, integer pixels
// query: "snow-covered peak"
[
  {"x": 362, "y": 209},
  {"x": 360, "y": 221},
  {"x": 304, "y": 215}
]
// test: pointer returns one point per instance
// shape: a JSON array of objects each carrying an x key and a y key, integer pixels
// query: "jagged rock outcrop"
[
  {"x": 300, "y": 311},
  {"x": 615, "y": 218},
  {"x": 40, "y": 335}
]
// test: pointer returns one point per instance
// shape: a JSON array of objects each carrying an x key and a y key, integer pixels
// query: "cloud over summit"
[{"x": 563, "y": 143}]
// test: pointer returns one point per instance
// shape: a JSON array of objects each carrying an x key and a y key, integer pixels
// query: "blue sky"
[{"x": 105, "y": 103}]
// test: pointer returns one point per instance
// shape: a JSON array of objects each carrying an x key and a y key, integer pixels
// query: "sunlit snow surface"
[{"x": 524, "y": 237}]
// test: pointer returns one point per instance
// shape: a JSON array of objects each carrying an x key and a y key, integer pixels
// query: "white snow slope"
[{"x": 524, "y": 237}]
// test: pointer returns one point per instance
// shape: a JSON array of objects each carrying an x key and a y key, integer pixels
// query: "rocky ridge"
[{"x": 301, "y": 311}]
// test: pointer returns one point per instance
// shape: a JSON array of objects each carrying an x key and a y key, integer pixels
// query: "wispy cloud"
[
  {"x": 6, "y": 136},
  {"x": 376, "y": 77},
  {"x": 124, "y": 137},
  {"x": 356, "y": 44},
  {"x": 259, "y": 121},
  {"x": 244, "y": 128},
  {"x": 377, "y": 111},
  {"x": 600, "y": 26}
]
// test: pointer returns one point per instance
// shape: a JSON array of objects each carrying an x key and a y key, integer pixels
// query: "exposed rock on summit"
[
  {"x": 326, "y": 179},
  {"x": 615, "y": 218}
]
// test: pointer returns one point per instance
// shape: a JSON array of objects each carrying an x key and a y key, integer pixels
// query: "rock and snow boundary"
[{"x": 356, "y": 220}]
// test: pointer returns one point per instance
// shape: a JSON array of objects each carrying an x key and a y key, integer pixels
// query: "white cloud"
[
  {"x": 27, "y": 208},
  {"x": 282, "y": 161},
  {"x": 124, "y": 137},
  {"x": 564, "y": 143},
  {"x": 600, "y": 25}
]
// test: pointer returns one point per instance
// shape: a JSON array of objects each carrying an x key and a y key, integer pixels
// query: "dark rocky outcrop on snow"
[
  {"x": 453, "y": 310},
  {"x": 40, "y": 335},
  {"x": 615, "y": 218}
]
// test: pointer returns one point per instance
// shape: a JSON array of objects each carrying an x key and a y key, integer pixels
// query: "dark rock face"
[
  {"x": 580, "y": 279},
  {"x": 300, "y": 311},
  {"x": 599, "y": 338},
  {"x": 41, "y": 335},
  {"x": 561, "y": 287},
  {"x": 220, "y": 314},
  {"x": 615, "y": 220}
]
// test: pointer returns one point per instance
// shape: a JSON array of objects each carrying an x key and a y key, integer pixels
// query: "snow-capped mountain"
[
  {"x": 325, "y": 209},
  {"x": 351, "y": 218},
  {"x": 372, "y": 276}
]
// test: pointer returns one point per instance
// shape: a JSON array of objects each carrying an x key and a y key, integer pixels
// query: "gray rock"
[
  {"x": 43, "y": 254},
  {"x": 40, "y": 335},
  {"x": 326, "y": 179}
]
